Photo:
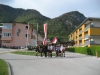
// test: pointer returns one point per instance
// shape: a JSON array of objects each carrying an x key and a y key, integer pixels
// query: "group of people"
[{"x": 48, "y": 49}]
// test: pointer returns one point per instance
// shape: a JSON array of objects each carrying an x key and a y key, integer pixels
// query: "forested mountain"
[
  {"x": 32, "y": 16},
  {"x": 60, "y": 26},
  {"x": 63, "y": 25}
]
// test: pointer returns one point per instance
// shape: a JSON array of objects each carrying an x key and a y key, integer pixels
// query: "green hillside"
[
  {"x": 60, "y": 26},
  {"x": 63, "y": 25}
]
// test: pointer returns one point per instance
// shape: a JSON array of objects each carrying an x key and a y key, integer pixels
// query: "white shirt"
[
  {"x": 61, "y": 48},
  {"x": 51, "y": 47}
]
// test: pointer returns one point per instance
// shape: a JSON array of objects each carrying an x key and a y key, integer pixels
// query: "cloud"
[{"x": 55, "y": 8}]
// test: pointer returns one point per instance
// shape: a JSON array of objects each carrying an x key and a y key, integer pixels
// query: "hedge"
[{"x": 85, "y": 50}]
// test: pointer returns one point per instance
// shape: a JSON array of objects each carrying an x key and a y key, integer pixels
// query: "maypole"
[{"x": 45, "y": 33}]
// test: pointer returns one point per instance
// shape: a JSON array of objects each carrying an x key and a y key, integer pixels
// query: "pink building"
[{"x": 15, "y": 34}]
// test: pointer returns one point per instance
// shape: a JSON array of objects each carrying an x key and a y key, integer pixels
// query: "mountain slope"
[
  {"x": 8, "y": 14},
  {"x": 60, "y": 27},
  {"x": 63, "y": 25}
]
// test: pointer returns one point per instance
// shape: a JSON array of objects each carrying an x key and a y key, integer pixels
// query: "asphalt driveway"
[{"x": 72, "y": 64}]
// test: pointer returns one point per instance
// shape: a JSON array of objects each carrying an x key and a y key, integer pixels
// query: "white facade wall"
[
  {"x": 33, "y": 42},
  {"x": 96, "y": 23},
  {"x": 40, "y": 38},
  {"x": 97, "y": 40}
]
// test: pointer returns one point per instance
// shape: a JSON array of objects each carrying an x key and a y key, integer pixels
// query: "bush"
[
  {"x": 32, "y": 47},
  {"x": 82, "y": 50},
  {"x": 70, "y": 49},
  {"x": 86, "y": 50}
]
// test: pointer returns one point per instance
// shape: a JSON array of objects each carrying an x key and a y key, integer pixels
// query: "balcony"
[
  {"x": 80, "y": 38},
  {"x": 86, "y": 36},
  {"x": 80, "y": 32},
  {"x": 80, "y": 44}
]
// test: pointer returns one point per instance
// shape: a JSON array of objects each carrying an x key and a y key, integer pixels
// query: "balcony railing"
[
  {"x": 80, "y": 38},
  {"x": 80, "y": 44},
  {"x": 80, "y": 32},
  {"x": 86, "y": 35},
  {"x": 87, "y": 27}
]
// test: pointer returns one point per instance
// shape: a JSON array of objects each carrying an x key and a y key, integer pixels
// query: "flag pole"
[{"x": 27, "y": 38}]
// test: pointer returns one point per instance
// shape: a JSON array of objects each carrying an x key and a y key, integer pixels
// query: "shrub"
[
  {"x": 70, "y": 49},
  {"x": 86, "y": 50}
]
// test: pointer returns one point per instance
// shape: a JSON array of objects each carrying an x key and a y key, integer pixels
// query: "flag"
[
  {"x": 45, "y": 33},
  {"x": 44, "y": 41},
  {"x": 54, "y": 40}
]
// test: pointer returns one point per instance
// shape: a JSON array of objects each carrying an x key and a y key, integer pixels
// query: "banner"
[{"x": 45, "y": 33}]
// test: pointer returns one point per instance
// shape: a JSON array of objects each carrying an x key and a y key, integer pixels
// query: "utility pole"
[
  {"x": 37, "y": 34},
  {"x": 27, "y": 38}
]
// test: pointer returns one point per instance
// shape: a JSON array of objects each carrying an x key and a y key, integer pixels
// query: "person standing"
[
  {"x": 45, "y": 50},
  {"x": 51, "y": 49},
  {"x": 37, "y": 50},
  {"x": 41, "y": 50},
  {"x": 61, "y": 49},
  {"x": 56, "y": 49}
]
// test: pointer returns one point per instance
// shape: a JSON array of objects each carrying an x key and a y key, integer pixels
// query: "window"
[
  {"x": 26, "y": 35},
  {"x": 6, "y": 42},
  {"x": 26, "y": 27},
  {"x": 9, "y": 34},
  {"x": 6, "y": 34},
  {"x": 7, "y": 26}
]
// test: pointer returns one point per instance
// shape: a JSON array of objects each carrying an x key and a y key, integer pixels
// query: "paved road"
[{"x": 72, "y": 64}]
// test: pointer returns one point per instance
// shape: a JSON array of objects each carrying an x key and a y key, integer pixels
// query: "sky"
[{"x": 55, "y": 8}]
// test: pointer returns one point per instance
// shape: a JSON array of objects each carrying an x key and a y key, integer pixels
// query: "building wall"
[
  {"x": 18, "y": 35},
  {"x": 5, "y": 39},
  {"x": 91, "y": 28},
  {"x": 97, "y": 40},
  {"x": 33, "y": 42},
  {"x": 21, "y": 39},
  {"x": 96, "y": 23},
  {"x": 95, "y": 31}
]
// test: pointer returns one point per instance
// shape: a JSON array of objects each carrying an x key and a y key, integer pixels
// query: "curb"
[{"x": 10, "y": 69}]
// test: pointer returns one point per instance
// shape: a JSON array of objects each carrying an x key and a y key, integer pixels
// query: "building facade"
[
  {"x": 19, "y": 34},
  {"x": 87, "y": 33}
]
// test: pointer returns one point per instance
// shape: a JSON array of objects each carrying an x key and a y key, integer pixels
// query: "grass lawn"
[
  {"x": 28, "y": 53},
  {"x": 24, "y": 53},
  {"x": 3, "y": 67}
]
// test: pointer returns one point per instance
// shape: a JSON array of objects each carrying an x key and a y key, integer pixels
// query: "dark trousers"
[
  {"x": 41, "y": 54},
  {"x": 45, "y": 52},
  {"x": 57, "y": 53}
]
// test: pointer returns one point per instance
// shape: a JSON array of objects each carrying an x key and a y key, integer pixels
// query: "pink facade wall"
[{"x": 15, "y": 39}]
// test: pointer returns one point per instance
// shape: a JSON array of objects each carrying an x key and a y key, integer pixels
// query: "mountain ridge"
[{"x": 60, "y": 26}]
